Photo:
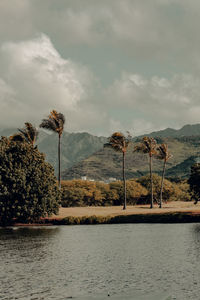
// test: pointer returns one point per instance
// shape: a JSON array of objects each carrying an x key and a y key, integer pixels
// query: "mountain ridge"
[{"x": 80, "y": 148}]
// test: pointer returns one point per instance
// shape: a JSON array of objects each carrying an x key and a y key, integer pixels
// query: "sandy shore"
[{"x": 171, "y": 207}]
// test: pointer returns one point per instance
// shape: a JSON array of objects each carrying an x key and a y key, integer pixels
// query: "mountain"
[
  {"x": 187, "y": 130},
  {"x": 83, "y": 153},
  {"x": 106, "y": 163},
  {"x": 10, "y": 131},
  {"x": 74, "y": 146}
]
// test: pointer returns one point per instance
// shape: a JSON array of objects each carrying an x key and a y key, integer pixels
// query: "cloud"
[
  {"x": 37, "y": 74},
  {"x": 159, "y": 30},
  {"x": 15, "y": 20},
  {"x": 34, "y": 79},
  {"x": 156, "y": 102},
  {"x": 162, "y": 30}
]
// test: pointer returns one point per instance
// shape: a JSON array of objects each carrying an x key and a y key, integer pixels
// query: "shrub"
[
  {"x": 194, "y": 182},
  {"x": 168, "y": 189},
  {"x": 136, "y": 193},
  {"x": 171, "y": 191},
  {"x": 28, "y": 187}
]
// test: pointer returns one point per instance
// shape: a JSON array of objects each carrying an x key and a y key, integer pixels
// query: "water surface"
[{"x": 127, "y": 261}]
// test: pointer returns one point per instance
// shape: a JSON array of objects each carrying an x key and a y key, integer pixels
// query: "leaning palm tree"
[
  {"x": 55, "y": 123},
  {"x": 29, "y": 134},
  {"x": 119, "y": 142},
  {"x": 148, "y": 146},
  {"x": 163, "y": 154}
]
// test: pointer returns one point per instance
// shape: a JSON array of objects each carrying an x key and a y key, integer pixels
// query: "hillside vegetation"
[
  {"x": 87, "y": 193},
  {"x": 82, "y": 154},
  {"x": 105, "y": 163}
]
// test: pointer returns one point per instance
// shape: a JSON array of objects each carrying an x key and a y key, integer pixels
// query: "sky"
[{"x": 109, "y": 65}]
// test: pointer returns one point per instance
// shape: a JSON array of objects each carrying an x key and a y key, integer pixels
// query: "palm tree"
[
  {"x": 119, "y": 142},
  {"x": 163, "y": 154},
  {"x": 148, "y": 146},
  {"x": 55, "y": 123},
  {"x": 29, "y": 134}
]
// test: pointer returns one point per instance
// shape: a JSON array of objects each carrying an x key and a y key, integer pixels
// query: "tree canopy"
[
  {"x": 28, "y": 187},
  {"x": 194, "y": 182}
]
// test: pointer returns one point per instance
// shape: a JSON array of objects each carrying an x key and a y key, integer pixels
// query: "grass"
[{"x": 173, "y": 212}]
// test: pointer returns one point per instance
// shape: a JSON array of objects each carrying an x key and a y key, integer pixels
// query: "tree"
[
  {"x": 170, "y": 190},
  {"x": 29, "y": 134},
  {"x": 119, "y": 142},
  {"x": 194, "y": 182},
  {"x": 148, "y": 146},
  {"x": 55, "y": 123},
  {"x": 163, "y": 154},
  {"x": 28, "y": 188}
]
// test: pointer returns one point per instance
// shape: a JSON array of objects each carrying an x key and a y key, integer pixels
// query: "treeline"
[{"x": 91, "y": 193}]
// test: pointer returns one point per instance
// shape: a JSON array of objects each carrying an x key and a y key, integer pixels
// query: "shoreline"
[{"x": 172, "y": 212}]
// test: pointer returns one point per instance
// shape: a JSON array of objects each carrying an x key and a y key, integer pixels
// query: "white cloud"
[
  {"x": 36, "y": 79},
  {"x": 156, "y": 102},
  {"x": 163, "y": 30}
]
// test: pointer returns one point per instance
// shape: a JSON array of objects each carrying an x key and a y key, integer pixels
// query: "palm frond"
[
  {"x": 118, "y": 142},
  {"x": 163, "y": 153},
  {"x": 148, "y": 145},
  {"x": 55, "y": 122},
  {"x": 29, "y": 132},
  {"x": 48, "y": 124},
  {"x": 32, "y": 132},
  {"x": 17, "y": 137}
]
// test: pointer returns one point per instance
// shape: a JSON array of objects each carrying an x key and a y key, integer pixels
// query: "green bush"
[
  {"x": 28, "y": 187},
  {"x": 181, "y": 191},
  {"x": 194, "y": 182},
  {"x": 86, "y": 193},
  {"x": 171, "y": 191},
  {"x": 136, "y": 193}
]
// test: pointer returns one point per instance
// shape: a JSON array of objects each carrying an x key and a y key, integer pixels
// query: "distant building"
[
  {"x": 111, "y": 179},
  {"x": 83, "y": 177}
]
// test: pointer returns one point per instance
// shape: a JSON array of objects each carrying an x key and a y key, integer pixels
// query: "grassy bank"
[
  {"x": 172, "y": 212},
  {"x": 180, "y": 217}
]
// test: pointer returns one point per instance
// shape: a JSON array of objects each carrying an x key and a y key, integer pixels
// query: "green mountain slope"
[
  {"x": 107, "y": 163},
  {"x": 187, "y": 130},
  {"x": 74, "y": 147},
  {"x": 83, "y": 153}
]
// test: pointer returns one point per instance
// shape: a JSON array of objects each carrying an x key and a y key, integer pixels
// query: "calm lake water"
[{"x": 126, "y": 261}]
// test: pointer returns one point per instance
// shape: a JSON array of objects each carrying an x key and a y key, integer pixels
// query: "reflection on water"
[{"x": 126, "y": 261}]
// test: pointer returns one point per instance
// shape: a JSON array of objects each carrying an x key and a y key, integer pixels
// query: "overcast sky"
[{"x": 109, "y": 65}]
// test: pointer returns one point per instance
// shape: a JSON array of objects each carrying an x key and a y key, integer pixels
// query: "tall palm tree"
[
  {"x": 119, "y": 142},
  {"x": 29, "y": 134},
  {"x": 148, "y": 146},
  {"x": 163, "y": 154},
  {"x": 55, "y": 122}
]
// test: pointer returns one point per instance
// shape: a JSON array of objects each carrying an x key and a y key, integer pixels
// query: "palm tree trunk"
[
  {"x": 150, "y": 167},
  {"x": 59, "y": 169},
  {"x": 124, "y": 181},
  {"x": 162, "y": 183}
]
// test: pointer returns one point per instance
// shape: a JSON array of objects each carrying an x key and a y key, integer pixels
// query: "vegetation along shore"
[{"x": 31, "y": 193}]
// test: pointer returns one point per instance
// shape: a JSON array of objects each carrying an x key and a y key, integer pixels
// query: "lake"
[{"x": 124, "y": 261}]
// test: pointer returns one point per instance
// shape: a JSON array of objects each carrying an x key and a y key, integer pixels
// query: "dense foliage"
[
  {"x": 171, "y": 191},
  {"x": 91, "y": 193},
  {"x": 194, "y": 182},
  {"x": 28, "y": 187},
  {"x": 88, "y": 193}
]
